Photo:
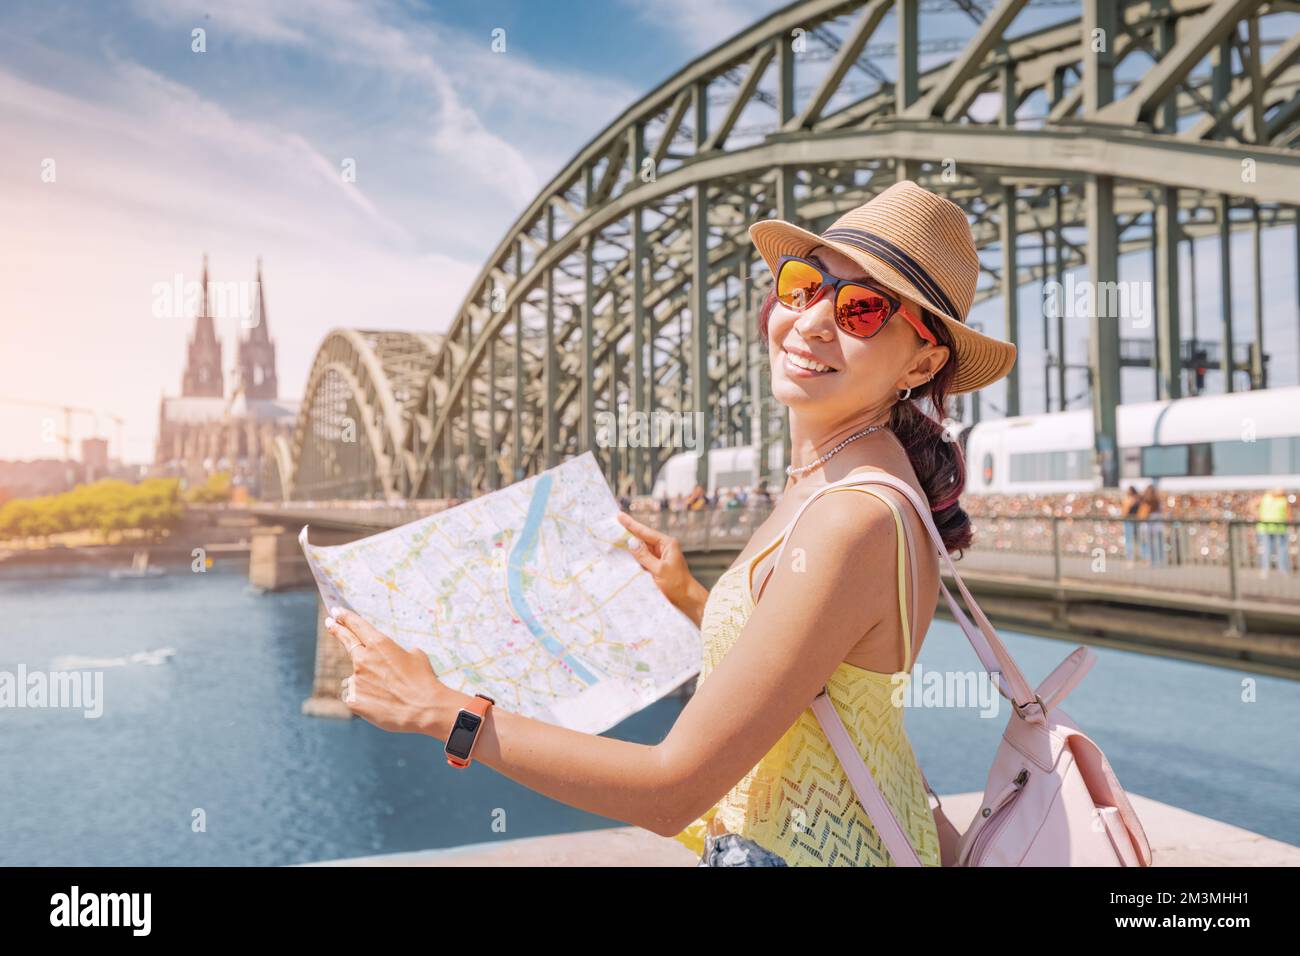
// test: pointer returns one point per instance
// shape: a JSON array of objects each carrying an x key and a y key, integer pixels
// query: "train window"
[
  {"x": 1243, "y": 457},
  {"x": 1164, "y": 461},
  {"x": 1051, "y": 466},
  {"x": 988, "y": 469},
  {"x": 1264, "y": 456}
]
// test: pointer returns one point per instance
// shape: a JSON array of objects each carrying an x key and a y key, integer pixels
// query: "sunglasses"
[{"x": 861, "y": 307}]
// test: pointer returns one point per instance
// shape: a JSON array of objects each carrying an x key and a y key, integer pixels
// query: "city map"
[{"x": 526, "y": 594}]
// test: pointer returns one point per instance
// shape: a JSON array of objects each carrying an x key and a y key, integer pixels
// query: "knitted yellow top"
[{"x": 797, "y": 801}]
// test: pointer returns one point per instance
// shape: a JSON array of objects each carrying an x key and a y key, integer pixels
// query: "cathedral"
[{"x": 213, "y": 428}]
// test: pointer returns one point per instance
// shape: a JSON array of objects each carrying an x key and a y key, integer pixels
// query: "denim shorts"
[{"x": 731, "y": 849}]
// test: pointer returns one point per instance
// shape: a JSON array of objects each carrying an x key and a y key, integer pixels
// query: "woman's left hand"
[{"x": 393, "y": 688}]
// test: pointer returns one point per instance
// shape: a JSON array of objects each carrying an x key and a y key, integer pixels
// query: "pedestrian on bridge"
[
  {"x": 1273, "y": 530},
  {"x": 1152, "y": 532},
  {"x": 1132, "y": 501}
]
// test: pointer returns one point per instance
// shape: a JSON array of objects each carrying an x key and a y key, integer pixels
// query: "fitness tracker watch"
[{"x": 464, "y": 730}]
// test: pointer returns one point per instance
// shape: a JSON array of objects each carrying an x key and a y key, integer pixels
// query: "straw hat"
[{"x": 915, "y": 243}]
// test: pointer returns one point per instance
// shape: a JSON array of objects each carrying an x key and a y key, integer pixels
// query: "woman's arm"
[{"x": 836, "y": 574}]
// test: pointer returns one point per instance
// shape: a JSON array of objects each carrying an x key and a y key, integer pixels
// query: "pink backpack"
[{"x": 1051, "y": 798}]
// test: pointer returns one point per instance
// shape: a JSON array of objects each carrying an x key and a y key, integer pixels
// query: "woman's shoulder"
[
  {"x": 842, "y": 518},
  {"x": 846, "y": 533},
  {"x": 896, "y": 496}
]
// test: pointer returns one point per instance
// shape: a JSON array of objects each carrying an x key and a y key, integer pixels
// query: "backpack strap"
[
  {"x": 994, "y": 656},
  {"x": 873, "y": 801}
]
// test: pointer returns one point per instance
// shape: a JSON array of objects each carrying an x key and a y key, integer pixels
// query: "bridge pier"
[
  {"x": 275, "y": 561},
  {"x": 332, "y": 665}
]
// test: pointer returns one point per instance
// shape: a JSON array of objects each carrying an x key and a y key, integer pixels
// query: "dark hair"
[{"x": 936, "y": 458}]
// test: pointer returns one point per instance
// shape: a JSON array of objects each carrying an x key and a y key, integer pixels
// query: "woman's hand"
[
  {"x": 393, "y": 688},
  {"x": 662, "y": 556}
]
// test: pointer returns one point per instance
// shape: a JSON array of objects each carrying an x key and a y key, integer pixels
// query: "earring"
[{"x": 906, "y": 394}]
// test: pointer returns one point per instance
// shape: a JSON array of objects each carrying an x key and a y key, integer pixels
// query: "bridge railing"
[
  {"x": 709, "y": 528},
  {"x": 1225, "y": 558}
]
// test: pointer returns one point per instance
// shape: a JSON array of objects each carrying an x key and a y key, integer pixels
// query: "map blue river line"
[{"x": 520, "y": 553}]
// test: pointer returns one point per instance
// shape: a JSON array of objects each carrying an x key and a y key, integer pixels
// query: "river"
[{"x": 202, "y": 757}]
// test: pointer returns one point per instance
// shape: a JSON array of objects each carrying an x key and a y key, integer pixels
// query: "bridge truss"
[{"x": 1071, "y": 133}]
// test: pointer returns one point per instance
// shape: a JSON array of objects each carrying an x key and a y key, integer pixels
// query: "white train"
[
  {"x": 729, "y": 467},
  {"x": 1245, "y": 440}
]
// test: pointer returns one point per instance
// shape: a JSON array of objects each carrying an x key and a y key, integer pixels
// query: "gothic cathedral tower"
[
  {"x": 203, "y": 376},
  {"x": 257, "y": 352}
]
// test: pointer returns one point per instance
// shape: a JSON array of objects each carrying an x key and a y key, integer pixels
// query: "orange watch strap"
[{"x": 479, "y": 704}]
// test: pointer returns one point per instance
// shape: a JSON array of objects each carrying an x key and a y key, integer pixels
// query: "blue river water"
[{"x": 213, "y": 732}]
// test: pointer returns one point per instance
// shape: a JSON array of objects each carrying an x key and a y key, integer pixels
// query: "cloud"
[
  {"x": 433, "y": 59},
  {"x": 701, "y": 26},
  {"x": 162, "y": 156}
]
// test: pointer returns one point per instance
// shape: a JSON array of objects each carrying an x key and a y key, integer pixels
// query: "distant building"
[
  {"x": 94, "y": 458},
  {"x": 52, "y": 476},
  {"x": 210, "y": 428}
]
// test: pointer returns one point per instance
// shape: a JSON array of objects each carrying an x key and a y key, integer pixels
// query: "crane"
[{"x": 68, "y": 411}]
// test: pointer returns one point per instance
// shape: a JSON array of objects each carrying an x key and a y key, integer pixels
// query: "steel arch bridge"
[{"x": 1071, "y": 133}]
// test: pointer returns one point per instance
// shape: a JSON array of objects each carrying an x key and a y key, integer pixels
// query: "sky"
[{"x": 128, "y": 155}]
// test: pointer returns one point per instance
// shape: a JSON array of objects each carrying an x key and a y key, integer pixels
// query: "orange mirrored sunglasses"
[{"x": 861, "y": 307}]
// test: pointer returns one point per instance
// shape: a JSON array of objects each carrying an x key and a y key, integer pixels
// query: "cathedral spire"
[
  {"x": 257, "y": 351},
  {"x": 203, "y": 374},
  {"x": 260, "y": 332}
]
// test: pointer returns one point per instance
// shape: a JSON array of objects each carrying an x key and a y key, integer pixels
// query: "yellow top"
[
  {"x": 1274, "y": 512},
  {"x": 797, "y": 801}
]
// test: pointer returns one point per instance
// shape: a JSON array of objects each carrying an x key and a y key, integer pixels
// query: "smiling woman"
[{"x": 747, "y": 775}]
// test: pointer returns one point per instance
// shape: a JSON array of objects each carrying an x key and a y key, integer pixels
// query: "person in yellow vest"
[{"x": 1274, "y": 513}]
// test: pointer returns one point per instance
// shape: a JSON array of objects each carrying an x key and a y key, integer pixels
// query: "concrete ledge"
[
  {"x": 1178, "y": 838},
  {"x": 619, "y": 846}
]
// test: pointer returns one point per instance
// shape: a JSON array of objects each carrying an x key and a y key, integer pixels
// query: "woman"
[
  {"x": 864, "y": 320},
  {"x": 1152, "y": 531}
]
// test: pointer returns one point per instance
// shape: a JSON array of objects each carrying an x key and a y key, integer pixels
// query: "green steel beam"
[
  {"x": 1103, "y": 330},
  {"x": 1010, "y": 291},
  {"x": 1169, "y": 365},
  {"x": 1225, "y": 291}
]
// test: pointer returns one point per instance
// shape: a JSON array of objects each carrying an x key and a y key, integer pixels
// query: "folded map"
[{"x": 528, "y": 595}]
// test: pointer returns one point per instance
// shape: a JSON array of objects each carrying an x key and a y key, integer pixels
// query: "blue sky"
[{"x": 162, "y": 153}]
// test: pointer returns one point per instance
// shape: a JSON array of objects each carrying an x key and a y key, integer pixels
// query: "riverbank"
[{"x": 223, "y": 534}]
